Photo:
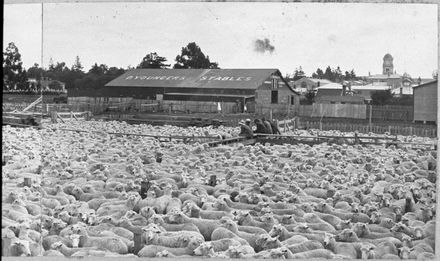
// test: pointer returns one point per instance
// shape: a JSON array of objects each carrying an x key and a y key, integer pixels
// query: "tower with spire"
[{"x": 388, "y": 67}]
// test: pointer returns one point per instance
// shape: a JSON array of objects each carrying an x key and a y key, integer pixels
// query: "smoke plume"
[{"x": 262, "y": 46}]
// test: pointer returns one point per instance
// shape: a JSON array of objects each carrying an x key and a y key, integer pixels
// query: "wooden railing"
[
  {"x": 62, "y": 116},
  {"x": 287, "y": 125}
]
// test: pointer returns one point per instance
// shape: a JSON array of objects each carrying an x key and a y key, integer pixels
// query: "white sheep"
[{"x": 152, "y": 250}]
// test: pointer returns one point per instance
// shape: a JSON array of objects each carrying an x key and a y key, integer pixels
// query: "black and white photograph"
[{"x": 220, "y": 130}]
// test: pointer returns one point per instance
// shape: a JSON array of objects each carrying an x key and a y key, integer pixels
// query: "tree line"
[
  {"x": 16, "y": 77},
  {"x": 331, "y": 74}
]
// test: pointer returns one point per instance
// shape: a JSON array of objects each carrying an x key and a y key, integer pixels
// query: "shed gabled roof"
[
  {"x": 426, "y": 83},
  {"x": 194, "y": 78}
]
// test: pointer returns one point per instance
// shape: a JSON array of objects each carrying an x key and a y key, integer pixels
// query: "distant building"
[
  {"x": 338, "y": 93},
  {"x": 307, "y": 84},
  {"x": 390, "y": 78},
  {"x": 402, "y": 91},
  {"x": 47, "y": 84},
  {"x": 367, "y": 90},
  {"x": 426, "y": 102},
  {"x": 331, "y": 89},
  {"x": 198, "y": 90}
]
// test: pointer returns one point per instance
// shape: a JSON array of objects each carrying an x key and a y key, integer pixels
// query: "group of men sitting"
[{"x": 263, "y": 126}]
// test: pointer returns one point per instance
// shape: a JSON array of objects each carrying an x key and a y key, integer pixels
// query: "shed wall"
[
  {"x": 425, "y": 103},
  {"x": 264, "y": 105}
]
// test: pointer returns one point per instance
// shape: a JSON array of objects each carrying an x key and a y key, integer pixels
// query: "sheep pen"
[{"x": 94, "y": 193}]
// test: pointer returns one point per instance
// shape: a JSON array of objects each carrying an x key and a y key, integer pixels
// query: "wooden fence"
[
  {"x": 378, "y": 112},
  {"x": 391, "y": 112},
  {"x": 354, "y": 111},
  {"x": 362, "y": 128}
]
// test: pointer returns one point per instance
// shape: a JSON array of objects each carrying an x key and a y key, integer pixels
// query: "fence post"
[
  {"x": 371, "y": 112},
  {"x": 54, "y": 116}
]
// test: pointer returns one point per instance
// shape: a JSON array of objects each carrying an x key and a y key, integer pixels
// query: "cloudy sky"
[{"x": 236, "y": 35}]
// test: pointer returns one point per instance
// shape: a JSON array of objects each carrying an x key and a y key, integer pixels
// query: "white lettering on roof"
[
  {"x": 225, "y": 78},
  {"x": 181, "y": 78}
]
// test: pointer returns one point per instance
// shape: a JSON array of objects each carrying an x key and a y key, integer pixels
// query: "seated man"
[
  {"x": 267, "y": 125},
  {"x": 274, "y": 126},
  {"x": 260, "y": 126},
  {"x": 245, "y": 129}
]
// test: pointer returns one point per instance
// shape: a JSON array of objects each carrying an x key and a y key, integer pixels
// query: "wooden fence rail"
[{"x": 393, "y": 130}]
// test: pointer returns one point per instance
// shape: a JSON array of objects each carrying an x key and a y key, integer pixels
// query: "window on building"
[
  {"x": 274, "y": 84},
  {"x": 292, "y": 99},
  {"x": 274, "y": 97},
  {"x": 304, "y": 85}
]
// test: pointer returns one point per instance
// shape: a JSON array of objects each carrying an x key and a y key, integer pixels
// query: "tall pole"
[{"x": 41, "y": 52}]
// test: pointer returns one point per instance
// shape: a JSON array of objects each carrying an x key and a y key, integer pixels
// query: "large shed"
[
  {"x": 200, "y": 90},
  {"x": 426, "y": 102}
]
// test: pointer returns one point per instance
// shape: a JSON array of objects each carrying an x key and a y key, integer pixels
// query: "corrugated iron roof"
[
  {"x": 371, "y": 87},
  {"x": 321, "y": 81},
  {"x": 338, "y": 98},
  {"x": 194, "y": 78},
  {"x": 329, "y": 92},
  {"x": 332, "y": 85},
  {"x": 385, "y": 76},
  {"x": 426, "y": 83},
  {"x": 208, "y": 95}
]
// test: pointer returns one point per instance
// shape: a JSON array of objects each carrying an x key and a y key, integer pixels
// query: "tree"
[
  {"x": 115, "y": 72},
  {"x": 299, "y": 73},
  {"x": 192, "y": 57},
  {"x": 152, "y": 60},
  {"x": 35, "y": 72},
  {"x": 77, "y": 66},
  {"x": 55, "y": 85},
  {"x": 381, "y": 97},
  {"x": 98, "y": 69},
  {"x": 319, "y": 74},
  {"x": 51, "y": 63},
  {"x": 353, "y": 75},
  {"x": 13, "y": 72},
  {"x": 328, "y": 74},
  {"x": 98, "y": 76},
  {"x": 337, "y": 74}
]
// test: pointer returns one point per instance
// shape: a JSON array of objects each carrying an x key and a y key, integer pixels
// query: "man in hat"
[
  {"x": 260, "y": 126},
  {"x": 274, "y": 126},
  {"x": 267, "y": 125},
  {"x": 245, "y": 129}
]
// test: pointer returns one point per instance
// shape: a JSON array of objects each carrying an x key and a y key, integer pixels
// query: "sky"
[{"x": 236, "y": 35}]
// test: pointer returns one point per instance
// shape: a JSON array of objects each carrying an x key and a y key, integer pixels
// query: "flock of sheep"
[{"x": 68, "y": 193}]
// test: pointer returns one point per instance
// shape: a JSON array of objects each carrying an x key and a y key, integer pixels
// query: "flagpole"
[{"x": 41, "y": 53}]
